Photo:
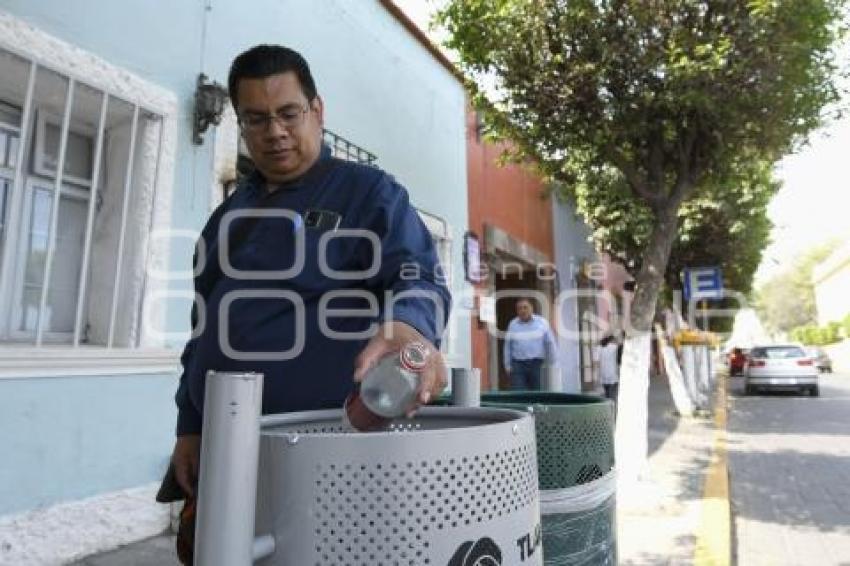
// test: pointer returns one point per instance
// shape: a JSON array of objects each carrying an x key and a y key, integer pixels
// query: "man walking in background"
[
  {"x": 528, "y": 343},
  {"x": 608, "y": 354}
]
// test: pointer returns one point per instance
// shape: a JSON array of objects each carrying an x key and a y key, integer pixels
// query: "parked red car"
[{"x": 737, "y": 360}]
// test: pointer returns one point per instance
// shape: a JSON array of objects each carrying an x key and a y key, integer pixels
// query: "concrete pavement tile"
[{"x": 157, "y": 551}]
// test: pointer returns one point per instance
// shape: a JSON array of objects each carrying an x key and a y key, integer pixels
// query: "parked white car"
[{"x": 781, "y": 367}]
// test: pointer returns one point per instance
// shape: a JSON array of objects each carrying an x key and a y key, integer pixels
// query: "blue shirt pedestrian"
[{"x": 528, "y": 344}]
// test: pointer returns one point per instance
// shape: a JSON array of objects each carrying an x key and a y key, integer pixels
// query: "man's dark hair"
[{"x": 264, "y": 61}]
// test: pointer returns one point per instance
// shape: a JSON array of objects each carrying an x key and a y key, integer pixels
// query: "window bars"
[
  {"x": 344, "y": 149},
  {"x": 66, "y": 258}
]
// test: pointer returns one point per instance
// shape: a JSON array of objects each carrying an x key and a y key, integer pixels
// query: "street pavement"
[{"x": 789, "y": 464}]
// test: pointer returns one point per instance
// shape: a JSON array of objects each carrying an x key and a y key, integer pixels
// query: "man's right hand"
[{"x": 187, "y": 459}]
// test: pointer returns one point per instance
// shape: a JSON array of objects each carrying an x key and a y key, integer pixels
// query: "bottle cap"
[{"x": 414, "y": 356}]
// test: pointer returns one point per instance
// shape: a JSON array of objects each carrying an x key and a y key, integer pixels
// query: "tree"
[
  {"x": 724, "y": 225},
  {"x": 664, "y": 97},
  {"x": 787, "y": 301}
]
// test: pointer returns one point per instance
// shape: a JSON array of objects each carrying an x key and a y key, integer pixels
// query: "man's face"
[
  {"x": 523, "y": 310},
  {"x": 286, "y": 147}
]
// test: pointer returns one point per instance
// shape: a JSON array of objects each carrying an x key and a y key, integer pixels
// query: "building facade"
[
  {"x": 580, "y": 290},
  {"x": 104, "y": 193},
  {"x": 530, "y": 244},
  {"x": 831, "y": 279}
]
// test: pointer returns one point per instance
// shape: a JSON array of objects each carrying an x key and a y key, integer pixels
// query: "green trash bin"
[{"x": 575, "y": 460}]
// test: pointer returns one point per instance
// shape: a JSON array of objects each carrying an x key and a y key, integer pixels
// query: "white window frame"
[
  {"x": 8, "y": 172},
  {"x": 441, "y": 234},
  {"x": 34, "y": 183},
  {"x": 148, "y": 354},
  {"x": 39, "y": 167}
]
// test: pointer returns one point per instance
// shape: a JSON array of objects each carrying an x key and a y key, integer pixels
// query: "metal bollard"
[
  {"x": 466, "y": 387},
  {"x": 227, "y": 490}
]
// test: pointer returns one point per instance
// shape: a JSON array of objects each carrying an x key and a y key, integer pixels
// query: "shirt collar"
[{"x": 257, "y": 181}]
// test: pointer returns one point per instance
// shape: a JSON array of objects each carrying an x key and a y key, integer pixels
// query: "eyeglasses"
[{"x": 290, "y": 117}]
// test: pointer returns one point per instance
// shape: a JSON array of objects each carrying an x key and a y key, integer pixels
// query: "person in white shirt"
[
  {"x": 528, "y": 343},
  {"x": 607, "y": 356}
]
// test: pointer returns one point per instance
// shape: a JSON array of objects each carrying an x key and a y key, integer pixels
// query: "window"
[
  {"x": 778, "y": 352},
  {"x": 344, "y": 149},
  {"x": 77, "y": 170},
  {"x": 340, "y": 148},
  {"x": 10, "y": 135},
  {"x": 441, "y": 236}
]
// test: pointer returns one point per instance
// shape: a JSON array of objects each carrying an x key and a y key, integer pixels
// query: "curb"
[{"x": 713, "y": 544}]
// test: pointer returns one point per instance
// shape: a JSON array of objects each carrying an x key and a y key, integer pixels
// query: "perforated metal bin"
[
  {"x": 575, "y": 457},
  {"x": 450, "y": 487}
]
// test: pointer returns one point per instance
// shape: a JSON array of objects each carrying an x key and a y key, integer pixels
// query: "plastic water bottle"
[{"x": 388, "y": 389}]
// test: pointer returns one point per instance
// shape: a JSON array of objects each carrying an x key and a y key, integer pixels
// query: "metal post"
[
  {"x": 701, "y": 367},
  {"x": 54, "y": 214},
  {"x": 93, "y": 196},
  {"x": 119, "y": 263},
  {"x": 709, "y": 381},
  {"x": 15, "y": 201},
  {"x": 689, "y": 373},
  {"x": 466, "y": 387},
  {"x": 227, "y": 490}
]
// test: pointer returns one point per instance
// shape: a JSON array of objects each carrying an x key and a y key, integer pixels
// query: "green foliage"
[
  {"x": 787, "y": 301},
  {"x": 832, "y": 332},
  {"x": 846, "y": 324},
  {"x": 638, "y": 85},
  {"x": 724, "y": 224},
  {"x": 636, "y": 107},
  {"x": 812, "y": 335}
]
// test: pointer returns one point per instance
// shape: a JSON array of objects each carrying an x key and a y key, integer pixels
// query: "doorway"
[{"x": 512, "y": 281}]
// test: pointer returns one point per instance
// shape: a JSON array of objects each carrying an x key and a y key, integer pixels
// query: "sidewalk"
[
  {"x": 156, "y": 551},
  {"x": 662, "y": 522},
  {"x": 676, "y": 515}
]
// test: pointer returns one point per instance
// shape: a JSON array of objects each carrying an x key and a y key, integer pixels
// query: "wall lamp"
[{"x": 210, "y": 98}]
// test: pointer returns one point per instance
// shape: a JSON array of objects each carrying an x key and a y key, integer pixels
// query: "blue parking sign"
[{"x": 703, "y": 283}]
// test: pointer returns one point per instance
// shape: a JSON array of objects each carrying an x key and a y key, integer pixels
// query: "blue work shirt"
[
  {"x": 281, "y": 313},
  {"x": 532, "y": 340}
]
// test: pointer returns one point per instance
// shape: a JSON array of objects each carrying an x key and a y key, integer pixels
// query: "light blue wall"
[
  {"x": 571, "y": 249},
  {"x": 77, "y": 436},
  {"x": 382, "y": 89},
  {"x": 66, "y": 438}
]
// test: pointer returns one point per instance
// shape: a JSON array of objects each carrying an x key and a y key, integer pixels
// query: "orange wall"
[{"x": 510, "y": 198}]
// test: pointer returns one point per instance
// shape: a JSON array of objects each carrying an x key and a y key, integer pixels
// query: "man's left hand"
[{"x": 392, "y": 337}]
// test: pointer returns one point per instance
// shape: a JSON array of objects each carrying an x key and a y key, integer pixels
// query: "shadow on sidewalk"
[{"x": 663, "y": 418}]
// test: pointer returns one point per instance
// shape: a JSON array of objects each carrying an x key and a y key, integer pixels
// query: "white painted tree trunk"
[{"x": 631, "y": 434}]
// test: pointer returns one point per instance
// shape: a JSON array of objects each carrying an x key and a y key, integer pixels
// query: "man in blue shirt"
[
  {"x": 311, "y": 271},
  {"x": 528, "y": 343}
]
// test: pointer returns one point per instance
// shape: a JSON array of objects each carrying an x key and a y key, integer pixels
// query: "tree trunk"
[{"x": 631, "y": 437}]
